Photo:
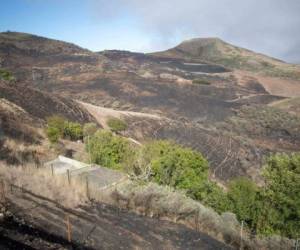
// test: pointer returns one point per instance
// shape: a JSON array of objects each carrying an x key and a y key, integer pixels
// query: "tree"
[
  {"x": 116, "y": 125},
  {"x": 179, "y": 167},
  {"x": 242, "y": 199},
  {"x": 282, "y": 175}
]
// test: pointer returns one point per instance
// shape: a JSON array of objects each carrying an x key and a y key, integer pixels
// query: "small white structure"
[
  {"x": 100, "y": 177},
  {"x": 62, "y": 164}
]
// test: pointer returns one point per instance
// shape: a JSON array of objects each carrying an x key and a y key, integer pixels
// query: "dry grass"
[
  {"x": 146, "y": 199},
  {"x": 166, "y": 203},
  {"x": 41, "y": 182}
]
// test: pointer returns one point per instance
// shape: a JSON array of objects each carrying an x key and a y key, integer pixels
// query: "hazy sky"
[{"x": 268, "y": 26}]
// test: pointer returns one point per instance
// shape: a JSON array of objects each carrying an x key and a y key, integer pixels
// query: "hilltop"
[{"x": 215, "y": 50}]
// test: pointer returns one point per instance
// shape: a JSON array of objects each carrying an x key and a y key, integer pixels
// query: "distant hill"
[{"x": 214, "y": 50}]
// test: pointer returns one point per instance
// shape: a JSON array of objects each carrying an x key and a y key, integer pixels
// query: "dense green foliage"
[
  {"x": 55, "y": 128},
  {"x": 53, "y": 134},
  {"x": 179, "y": 167},
  {"x": 282, "y": 174},
  {"x": 73, "y": 131},
  {"x": 116, "y": 125},
  {"x": 108, "y": 150},
  {"x": 273, "y": 208},
  {"x": 58, "y": 127}
]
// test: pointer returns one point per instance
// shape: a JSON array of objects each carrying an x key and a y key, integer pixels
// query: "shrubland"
[{"x": 265, "y": 210}]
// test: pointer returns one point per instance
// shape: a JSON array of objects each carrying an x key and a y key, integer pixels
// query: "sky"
[{"x": 271, "y": 27}]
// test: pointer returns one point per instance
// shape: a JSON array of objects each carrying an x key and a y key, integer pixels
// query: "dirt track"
[{"x": 95, "y": 226}]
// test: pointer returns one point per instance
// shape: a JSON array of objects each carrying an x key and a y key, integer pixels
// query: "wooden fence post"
[
  {"x": 69, "y": 177},
  {"x": 87, "y": 188},
  {"x": 197, "y": 222},
  {"x": 2, "y": 191},
  {"x": 68, "y": 225},
  {"x": 52, "y": 170}
]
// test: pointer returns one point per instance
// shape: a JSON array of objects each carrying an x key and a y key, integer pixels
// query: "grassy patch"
[
  {"x": 201, "y": 82},
  {"x": 6, "y": 75}
]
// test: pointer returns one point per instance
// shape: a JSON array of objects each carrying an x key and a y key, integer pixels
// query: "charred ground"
[{"x": 206, "y": 104}]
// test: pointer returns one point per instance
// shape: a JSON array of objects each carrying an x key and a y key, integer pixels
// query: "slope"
[{"x": 215, "y": 50}]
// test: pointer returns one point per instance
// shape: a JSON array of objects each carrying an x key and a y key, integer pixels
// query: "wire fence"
[{"x": 95, "y": 194}]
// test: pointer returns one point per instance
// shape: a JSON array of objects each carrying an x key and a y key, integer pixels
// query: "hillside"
[
  {"x": 214, "y": 50},
  {"x": 223, "y": 110},
  {"x": 202, "y": 104},
  {"x": 23, "y": 111}
]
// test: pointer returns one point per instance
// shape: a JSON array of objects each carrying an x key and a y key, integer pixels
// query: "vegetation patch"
[
  {"x": 266, "y": 121},
  {"x": 271, "y": 209},
  {"x": 109, "y": 150},
  {"x": 58, "y": 127},
  {"x": 6, "y": 75},
  {"x": 201, "y": 82},
  {"x": 116, "y": 125}
]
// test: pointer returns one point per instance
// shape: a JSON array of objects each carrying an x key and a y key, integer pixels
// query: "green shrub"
[
  {"x": 116, "y": 125},
  {"x": 53, "y": 134},
  {"x": 59, "y": 127},
  {"x": 73, "y": 131},
  {"x": 242, "y": 198},
  {"x": 55, "y": 128},
  {"x": 282, "y": 174},
  {"x": 178, "y": 167},
  {"x": 274, "y": 208},
  {"x": 108, "y": 150}
]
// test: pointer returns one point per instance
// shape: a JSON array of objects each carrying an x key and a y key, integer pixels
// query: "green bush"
[
  {"x": 73, "y": 131},
  {"x": 242, "y": 198},
  {"x": 179, "y": 167},
  {"x": 275, "y": 207},
  {"x": 116, "y": 125},
  {"x": 53, "y": 134},
  {"x": 59, "y": 127},
  {"x": 55, "y": 128},
  {"x": 108, "y": 150},
  {"x": 282, "y": 174},
  {"x": 271, "y": 209}
]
